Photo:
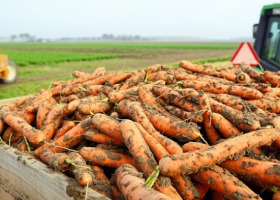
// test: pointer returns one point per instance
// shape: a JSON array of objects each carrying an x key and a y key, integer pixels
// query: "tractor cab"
[
  {"x": 267, "y": 37},
  {"x": 8, "y": 70}
]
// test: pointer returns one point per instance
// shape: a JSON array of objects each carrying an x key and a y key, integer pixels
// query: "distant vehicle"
[
  {"x": 8, "y": 70},
  {"x": 267, "y": 37}
]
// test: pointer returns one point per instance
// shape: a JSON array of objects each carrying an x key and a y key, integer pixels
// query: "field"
[{"x": 41, "y": 63}]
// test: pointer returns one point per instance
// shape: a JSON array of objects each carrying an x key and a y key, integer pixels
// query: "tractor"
[
  {"x": 267, "y": 37},
  {"x": 8, "y": 70}
]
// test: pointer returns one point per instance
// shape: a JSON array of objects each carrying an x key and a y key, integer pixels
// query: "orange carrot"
[
  {"x": 135, "y": 78},
  {"x": 253, "y": 73},
  {"x": 117, "y": 96},
  {"x": 136, "y": 112},
  {"x": 79, "y": 168},
  {"x": 226, "y": 128},
  {"x": 1, "y": 126},
  {"x": 52, "y": 121},
  {"x": 272, "y": 78},
  {"x": 17, "y": 123},
  {"x": 73, "y": 89},
  {"x": 34, "y": 105},
  {"x": 66, "y": 126},
  {"x": 267, "y": 104},
  {"x": 118, "y": 78},
  {"x": 105, "y": 158},
  {"x": 98, "y": 137},
  {"x": 138, "y": 148},
  {"x": 180, "y": 130},
  {"x": 211, "y": 132},
  {"x": 132, "y": 186},
  {"x": 55, "y": 160},
  {"x": 199, "y": 69},
  {"x": 43, "y": 110},
  {"x": 242, "y": 77},
  {"x": 107, "y": 125},
  {"x": 99, "y": 174},
  {"x": 184, "y": 115},
  {"x": 154, "y": 68},
  {"x": 191, "y": 162},
  {"x": 161, "y": 75},
  {"x": 96, "y": 107},
  {"x": 97, "y": 89}
]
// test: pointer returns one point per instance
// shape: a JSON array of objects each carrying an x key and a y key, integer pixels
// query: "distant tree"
[{"x": 13, "y": 37}]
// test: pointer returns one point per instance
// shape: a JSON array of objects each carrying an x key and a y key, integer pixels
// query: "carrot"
[
  {"x": 242, "y": 77},
  {"x": 22, "y": 146},
  {"x": 73, "y": 89},
  {"x": 55, "y": 160},
  {"x": 117, "y": 96},
  {"x": 116, "y": 193},
  {"x": 96, "y": 107},
  {"x": 199, "y": 69},
  {"x": 225, "y": 127},
  {"x": 66, "y": 126},
  {"x": 135, "y": 111},
  {"x": 79, "y": 168},
  {"x": 161, "y": 75},
  {"x": 97, "y": 89},
  {"x": 118, "y": 78},
  {"x": 99, "y": 174},
  {"x": 68, "y": 140},
  {"x": 272, "y": 78},
  {"x": 105, "y": 158},
  {"x": 17, "y": 123},
  {"x": 98, "y": 137},
  {"x": 253, "y": 73},
  {"x": 114, "y": 115},
  {"x": 239, "y": 119},
  {"x": 185, "y": 187},
  {"x": 52, "y": 121},
  {"x": 211, "y": 132},
  {"x": 231, "y": 76},
  {"x": 175, "y": 98},
  {"x": 71, "y": 107},
  {"x": 107, "y": 125},
  {"x": 78, "y": 74},
  {"x": 186, "y": 163},
  {"x": 34, "y": 104},
  {"x": 217, "y": 195},
  {"x": 267, "y": 104},
  {"x": 133, "y": 187},
  {"x": 184, "y": 115},
  {"x": 102, "y": 188},
  {"x": 138, "y": 148},
  {"x": 147, "y": 97},
  {"x": 135, "y": 78},
  {"x": 180, "y": 130},
  {"x": 219, "y": 179},
  {"x": 1, "y": 126},
  {"x": 43, "y": 110},
  {"x": 220, "y": 88},
  {"x": 276, "y": 195},
  {"x": 154, "y": 68}
]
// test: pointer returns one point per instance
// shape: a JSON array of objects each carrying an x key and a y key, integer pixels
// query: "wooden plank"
[
  {"x": 24, "y": 178},
  {"x": 10, "y": 100}
]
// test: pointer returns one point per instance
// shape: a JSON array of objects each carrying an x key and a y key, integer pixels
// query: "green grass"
[{"x": 25, "y": 58}]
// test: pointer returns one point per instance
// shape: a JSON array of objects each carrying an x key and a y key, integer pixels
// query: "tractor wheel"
[{"x": 13, "y": 72}]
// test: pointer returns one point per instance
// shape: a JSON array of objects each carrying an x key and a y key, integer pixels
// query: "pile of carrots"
[{"x": 190, "y": 132}]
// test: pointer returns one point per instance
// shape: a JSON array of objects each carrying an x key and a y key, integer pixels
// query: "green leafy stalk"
[
  {"x": 153, "y": 177},
  {"x": 27, "y": 144},
  {"x": 71, "y": 162}
]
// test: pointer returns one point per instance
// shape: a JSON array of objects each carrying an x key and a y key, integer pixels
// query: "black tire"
[{"x": 13, "y": 73}]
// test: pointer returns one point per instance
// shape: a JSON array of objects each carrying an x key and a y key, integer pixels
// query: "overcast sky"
[{"x": 206, "y": 19}]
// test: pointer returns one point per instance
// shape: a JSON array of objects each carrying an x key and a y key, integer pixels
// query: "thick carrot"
[
  {"x": 135, "y": 111},
  {"x": 181, "y": 130},
  {"x": 66, "y": 126},
  {"x": 102, "y": 188},
  {"x": 55, "y": 160},
  {"x": 78, "y": 74},
  {"x": 22, "y": 146},
  {"x": 43, "y": 110},
  {"x": 97, "y": 89},
  {"x": 17, "y": 123},
  {"x": 161, "y": 75},
  {"x": 186, "y": 163},
  {"x": 225, "y": 127},
  {"x": 199, "y": 69},
  {"x": 267, "y": 104},
  {"x": 1, "y": 126},
  {"x": 116, "y": 193},
  {"x": 82, "y": 172},
  {"x": 96, "y": 107},
  {"x": 239, "y": 119},
  {"x": 184, "y": 115},
  {"x": 99, "y": 80},
  {"x": 118, "y": 78},
  {"x": 52, "y": 121},
  {"x": 272, "y": 78},
  {"x": 73, "y": 89},
  {"x": 242, "y": 77},
  {"x": 34, "y": 104},
  {"x": 98, "y": 137},
  {"x": 68, "y": 140},
  {"x": 154, "y": 68},
  {"x": 133, "y": 187},
  {"x": 105, "y": 158},
  {"x": 71, "y": 107},
  {"x": 107, "y": 125},
  {"x": 99, "y": 174},
  {"x": 220, "y": 88},
  {"x": 253, "y": 73},
  {"x": 117, "y": 96},
  {"x": 138, "y": 148},
  {"x": 135, "y": 78}
]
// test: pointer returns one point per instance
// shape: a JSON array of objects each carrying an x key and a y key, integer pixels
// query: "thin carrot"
[
  {"x": 66, "y": 126},
  {"x": 105, "y": 158},
  {"x": 99, "y": 174},
  {"x": 82, "y": 172},
  {"x": 211, "y": 132},
  {"x": 199, "y": 69},
  {"x": 133, "y": 187},
  {"x": 98, "y": 137},
  {"x": 137, "y": 146},
  {"x": 191, "y": 162}
]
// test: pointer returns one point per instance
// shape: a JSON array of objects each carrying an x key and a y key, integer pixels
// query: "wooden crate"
[{"x": 24, "y": 177}]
